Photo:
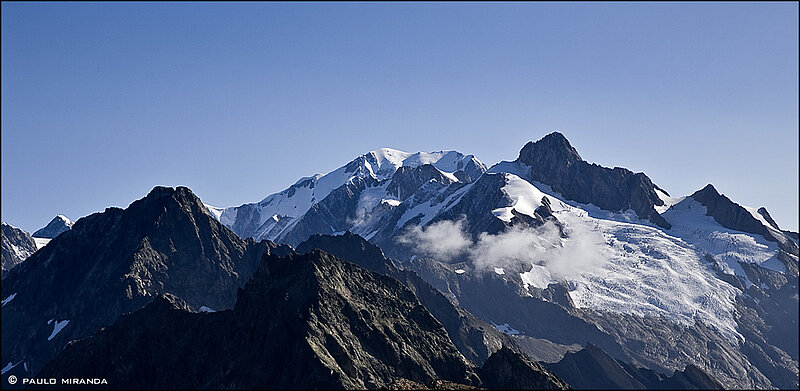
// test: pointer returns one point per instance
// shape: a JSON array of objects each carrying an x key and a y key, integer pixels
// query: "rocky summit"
[
  {"x": 115, "y": 262},
  {"x": 55, "y": 227},
  {"x": 17, "y": 246},
  {"x": 553, "y": 161}
]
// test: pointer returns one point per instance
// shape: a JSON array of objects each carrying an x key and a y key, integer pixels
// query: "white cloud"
[
  {"x": 443, "y": 240},
  {"x": 514, "y": 249}
]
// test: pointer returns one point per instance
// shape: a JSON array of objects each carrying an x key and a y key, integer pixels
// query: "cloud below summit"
[
  {"x": 516, "y": 248},
  {"x": 443, "y": 240}
]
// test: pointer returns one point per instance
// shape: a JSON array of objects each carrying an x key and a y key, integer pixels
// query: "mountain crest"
[
  {"x": 17, "y": 245},
  {"x": 181, "y": 195},
  {"x": 368, "y": 255},
  {"x": 55, "y": 227},
  {"x": 117, "y": 261},
  {"x": 763, "y": 212},
  {"x": 553, "y": 146},
  {"x": 554, "y": 162},
  {"x": 707, "y": 191},
  {"x": 728, "y": 213},
  {"x": 509, "y": 370},
  {"x": 381, "y": 177}
]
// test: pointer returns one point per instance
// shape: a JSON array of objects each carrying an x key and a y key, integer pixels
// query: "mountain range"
[
  {"x": 18, "y": 245},
  {"x": 409, "y": 270}
]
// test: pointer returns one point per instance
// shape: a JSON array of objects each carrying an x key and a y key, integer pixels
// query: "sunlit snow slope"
[{"x": 277, "y": 214}]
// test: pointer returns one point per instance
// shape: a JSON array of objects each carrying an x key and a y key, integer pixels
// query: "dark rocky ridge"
[
  {"x": 763, "y": 212},
  {"x": 690, "y": 378},
  {"x": 474, "y": 338},
  {"x": 556, "y": 163},
  {"x": 733, "y": 216},
  {"x": 351, "y": 248},
  {"x": 728, "y": 213},
  {"x": 55, "y": 227},
  {"x": 592, "y": 368},
  {"x": 509, "y": 370},
  {"x": 331, "y": 214},
  {"x": 338, "y": 211},
  {"x": 476, "y": 206},
  {"x": 303, "y": 321},
  {"x": 17, "y": 245},
  {"x": 406, "y": 180},
  {"x": 117, "y": 261},
  {"x": 794, "y": 236}
]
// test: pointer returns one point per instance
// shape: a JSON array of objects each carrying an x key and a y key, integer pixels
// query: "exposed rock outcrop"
[
  {"x": 732, "y": 215},
  {"x": 556, "y": 163},
  {"x": 17, "y": 246},
  {"x": 592, "y": 368},
  {"x": 509, "y": 370},
  {"x": 303, "y": 321},
  {"x": 55, "y": 227},
  {"x": 474, "y": 338},
  {"x": 117, "y": 261}
]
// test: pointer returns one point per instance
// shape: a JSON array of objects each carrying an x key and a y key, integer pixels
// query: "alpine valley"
[{"x": 424, "y": 270}]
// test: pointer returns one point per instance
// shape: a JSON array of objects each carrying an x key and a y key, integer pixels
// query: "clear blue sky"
[{"x": 101, "y": 102}]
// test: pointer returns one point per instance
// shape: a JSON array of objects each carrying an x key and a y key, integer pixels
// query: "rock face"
[
  {"x": 474, "y": 338},
  {"x": 727, "y": 213},
  {"x": 351, "y": 248},
  {"x": 407, "y": 180},
  {"x": 17, "y": 246},
  {"x": 303, "y": 322},
  {"x": 360, "y": 196},
  {"x": 55, "y": 227},
  {"x": 691, "y": 378},
  {"x": 768, "y": 320},
  {"x": 335, "y": 212},
  {"x": 509, "y": 370},
  {"x": 117, "y": 261},
  {"x": 554, "y": 162},
  {"x": 732, "y": 215},
  {"x": 477, "y": 205},
  {"x": 763, "y": 212},
  {"x": 485, "y": 196},
  {"x": 592, "y": 368}
]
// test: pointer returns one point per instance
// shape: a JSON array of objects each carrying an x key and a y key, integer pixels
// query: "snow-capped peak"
[
  {"x": 279, "y": 212},
  {"x": 59, "y": 224},
  {"x": 384, "y": 162}
]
